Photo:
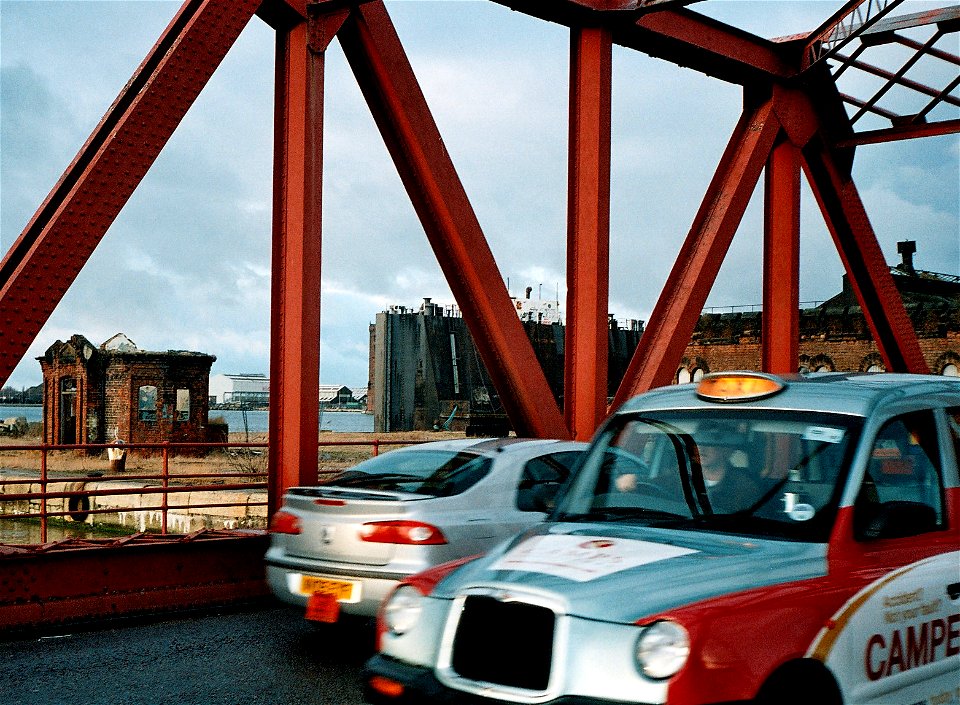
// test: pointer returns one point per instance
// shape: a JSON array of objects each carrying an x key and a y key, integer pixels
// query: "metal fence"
[{"x": 161, "y": 495}]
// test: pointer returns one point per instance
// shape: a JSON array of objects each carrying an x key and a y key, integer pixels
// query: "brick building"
[
  {"x": 834, "y": 336},
  {"x": 117, "y": 391}
]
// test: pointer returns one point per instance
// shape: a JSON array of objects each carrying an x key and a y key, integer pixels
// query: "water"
[
  {"x": 257, "y": 421},
  {"x": 27, "y": 531},
  {"x": 33, "y": 413}
]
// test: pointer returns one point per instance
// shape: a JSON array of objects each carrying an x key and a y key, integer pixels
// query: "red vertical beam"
[
  {"x": 387, "y": 81},
  {"x": 781, "y": 261},
  {"x": 46, "y": 258},
  {"x": 295, "y": 298},
  {"x": 675, "y": 316},
  {"x": 588, "y": 231},
  {"x": 867, "y": 270}
]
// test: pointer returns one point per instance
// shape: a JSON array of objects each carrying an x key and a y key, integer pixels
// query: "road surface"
[{"x": 265, "y": 655}]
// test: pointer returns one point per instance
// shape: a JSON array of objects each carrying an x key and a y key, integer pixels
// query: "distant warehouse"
[{"x": 252, "y": 391}]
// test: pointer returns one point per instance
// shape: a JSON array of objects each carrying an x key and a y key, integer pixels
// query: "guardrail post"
[
  {"x": 43, "y": 494},
  {"x": 376, "y": 446},
  {"x": 165, "y": 476}
]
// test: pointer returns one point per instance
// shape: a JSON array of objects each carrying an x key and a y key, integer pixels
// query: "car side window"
[
  {"x": 953, "y": 418},
  {"x": 902, "y": 491},
  {"x": 542, "y": 478}
]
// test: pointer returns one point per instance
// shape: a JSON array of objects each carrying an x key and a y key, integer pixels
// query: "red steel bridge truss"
[{"x": 795, "y": 120}]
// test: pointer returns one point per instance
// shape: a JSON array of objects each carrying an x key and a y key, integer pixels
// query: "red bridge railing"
[{"x": 47, "y": 494}]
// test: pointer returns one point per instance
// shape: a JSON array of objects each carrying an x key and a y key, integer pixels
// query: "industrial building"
[
  {"x": 426, "y": 373},
  {"x": 251, "y": 390}
]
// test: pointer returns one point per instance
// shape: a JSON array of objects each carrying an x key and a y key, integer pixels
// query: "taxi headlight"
[
  {"x": 662, "y": 649},
  {"x": 402, "y": 610}
]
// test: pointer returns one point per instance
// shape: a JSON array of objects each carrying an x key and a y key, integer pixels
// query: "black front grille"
[{"x": 506, "y": 643}]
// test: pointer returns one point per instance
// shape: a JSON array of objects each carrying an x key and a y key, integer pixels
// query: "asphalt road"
[{"x": 268, "y": 655}]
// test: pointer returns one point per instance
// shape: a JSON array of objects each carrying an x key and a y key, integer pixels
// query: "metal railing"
[{"x": 44, "y": 493}]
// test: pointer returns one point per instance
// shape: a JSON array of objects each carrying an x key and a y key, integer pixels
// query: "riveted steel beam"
[
  {"x": 387, "y": 81},
  {"x": 588, "y": 232},
  {"x": 94, "y": 580},
  {"x": 675, "y": 316},
  {"x": 781, "y": 261},
  {"x": 63, "y": 233},
  {"x": 675, "y": 34},
  {"x": 295, "y": 282},
  {"x": 281, "y": 15}
]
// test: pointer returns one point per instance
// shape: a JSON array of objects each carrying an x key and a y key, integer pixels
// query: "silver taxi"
[{"x": 749, "y": 538}]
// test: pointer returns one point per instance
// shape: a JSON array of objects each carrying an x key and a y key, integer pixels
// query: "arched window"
[
  {"x": 951, "y": 370},
  {"x": 822, "y": 363},
  {"x": 872, "y": 363},
  {"x": 683, "y": 375},
  {"x": 697, "y": 374}
]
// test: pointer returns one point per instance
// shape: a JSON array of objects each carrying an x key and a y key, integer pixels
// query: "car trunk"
[{"x": 331, "y": 518}]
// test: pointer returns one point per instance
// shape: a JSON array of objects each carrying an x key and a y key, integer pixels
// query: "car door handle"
[{"x": 953, "y": 590}]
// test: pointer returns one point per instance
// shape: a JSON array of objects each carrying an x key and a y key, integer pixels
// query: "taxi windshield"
[{"x": 768, "y": 473}]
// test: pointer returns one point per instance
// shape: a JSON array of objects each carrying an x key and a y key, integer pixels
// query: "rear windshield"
[{"x": 435, "y": 473}]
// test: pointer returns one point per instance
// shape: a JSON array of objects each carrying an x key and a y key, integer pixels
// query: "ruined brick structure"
[{"x": 117, "y": 391}]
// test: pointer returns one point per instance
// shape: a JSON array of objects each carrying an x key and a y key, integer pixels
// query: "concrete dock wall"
[{"x": 141, "y": 512}]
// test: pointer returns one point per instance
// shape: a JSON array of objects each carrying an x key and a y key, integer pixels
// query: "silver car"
[{"x": 340, "y": 547}]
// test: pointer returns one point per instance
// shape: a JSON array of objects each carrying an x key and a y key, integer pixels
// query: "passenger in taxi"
[{"x": 729, "y": 485}]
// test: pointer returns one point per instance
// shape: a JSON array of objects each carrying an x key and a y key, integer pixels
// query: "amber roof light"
[{"x": 738, "y": 386}]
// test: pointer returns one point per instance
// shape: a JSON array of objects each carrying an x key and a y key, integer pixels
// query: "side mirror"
[{"x": 894, "y": 520}]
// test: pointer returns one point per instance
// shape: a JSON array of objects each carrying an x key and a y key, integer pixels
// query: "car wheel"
[{"x": 800, "y": 683}]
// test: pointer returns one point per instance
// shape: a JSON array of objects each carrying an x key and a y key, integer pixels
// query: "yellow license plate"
[{"x": 343, "y": 590}]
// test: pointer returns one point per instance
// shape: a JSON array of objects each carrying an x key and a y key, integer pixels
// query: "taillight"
[
  {"x": 407, "y": 532},
  {"x": 285, "y": 523}
]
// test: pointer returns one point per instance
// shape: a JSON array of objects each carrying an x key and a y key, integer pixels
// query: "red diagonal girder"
[
  {"x": 868, "y": 272},
  {"x": 48, "y": 255},
  {"x": 386, "y": 79},
  {"x": 588, "y": 232},
  {"x": 675, "y": 316}
]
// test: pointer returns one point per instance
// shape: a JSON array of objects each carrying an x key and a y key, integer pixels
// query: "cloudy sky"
[{"x": 186, "y": 265}]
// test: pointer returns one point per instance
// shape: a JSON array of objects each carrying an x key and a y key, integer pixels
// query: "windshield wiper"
[{"x": 621, "y": 514}]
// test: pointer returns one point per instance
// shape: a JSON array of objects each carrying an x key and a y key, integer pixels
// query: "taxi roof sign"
[{"x": 738, "y": 386}]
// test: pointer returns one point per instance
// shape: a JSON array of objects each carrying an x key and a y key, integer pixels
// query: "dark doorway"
[{"x": 68, "y": 411}]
